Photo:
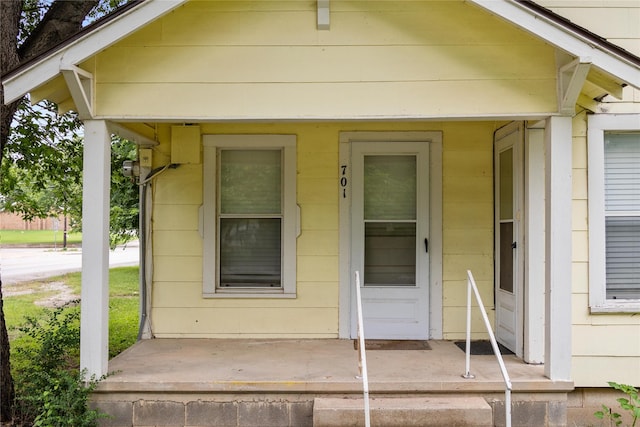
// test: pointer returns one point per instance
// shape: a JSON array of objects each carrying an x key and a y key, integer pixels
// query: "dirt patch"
[
  {"x": 63, "y": 294},
  {"x": 13, "y": 291},
  {"x": 60, "y": 293}
]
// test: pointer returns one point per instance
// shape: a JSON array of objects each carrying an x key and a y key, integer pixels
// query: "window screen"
[
  {"x": 390, "y": 220},
  {"x": 250, "y": 218},
  {"x": 622, "y": 215}
]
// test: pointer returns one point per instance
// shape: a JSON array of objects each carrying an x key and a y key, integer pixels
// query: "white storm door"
[
  {"x": 390, "y": 225},
  {"x": 508, "y": 238}
]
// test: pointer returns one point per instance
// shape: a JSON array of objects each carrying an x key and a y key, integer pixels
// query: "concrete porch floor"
[{"x": 324, "y": 366}]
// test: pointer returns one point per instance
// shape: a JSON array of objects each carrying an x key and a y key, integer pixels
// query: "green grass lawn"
[
  {"x": 37, "y": 237},
  {"x": 22, "y": 301}
]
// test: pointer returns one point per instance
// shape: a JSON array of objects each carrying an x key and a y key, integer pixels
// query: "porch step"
[{"x": 403, "y": 411}]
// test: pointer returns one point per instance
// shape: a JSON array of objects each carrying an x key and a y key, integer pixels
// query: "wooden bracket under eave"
[
  {"x": 80, "y": 84},
  {"x": 571, "y": 78}
]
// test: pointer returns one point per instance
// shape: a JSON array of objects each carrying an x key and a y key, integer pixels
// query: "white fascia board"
[
  {"x": 562, "y": 38},
  {"x": 49, "y": 67}
]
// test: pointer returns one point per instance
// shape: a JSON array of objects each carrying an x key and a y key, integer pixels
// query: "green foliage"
[
  {"x": 630, "y": 404},
  {"x": 123, "y": 324},
  {"x": 124, "y": 305},
  {"x": 64, "y": 402},
  {"x": 123, "y": 310},
  {"x": 103, "y": 8},
  {"x": 123, "y": 220},
  {"x": 50, "y": 389},
  {"x": 42, "y": 174}
]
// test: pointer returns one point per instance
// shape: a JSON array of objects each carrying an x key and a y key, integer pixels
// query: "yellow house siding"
[
  {"x": 598, "y": 371},
  {"x": 601, "y": 340},
  {"x": 176, "y": 218},
  {"x": 178, "y": 306},
  {"x": 467, "y": 213},
  {"x": 189, "y": 294},
  {"x": 224, "y": 60},
  {"x": 249, "y": 322}
]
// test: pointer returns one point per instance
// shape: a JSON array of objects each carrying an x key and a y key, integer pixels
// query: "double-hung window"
[
  {"x": 249, "y": 215},
  {"x": 614, "y": 213}
]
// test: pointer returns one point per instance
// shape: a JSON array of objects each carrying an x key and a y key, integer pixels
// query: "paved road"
[{"x": 24, "y": 264}]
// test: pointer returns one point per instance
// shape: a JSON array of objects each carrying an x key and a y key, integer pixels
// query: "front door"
[
  {"x": 508, "y": 237},
  {"x": 390, "y": 225}
]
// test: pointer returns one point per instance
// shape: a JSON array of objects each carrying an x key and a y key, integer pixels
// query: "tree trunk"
[
  {"x": 63, "y": 19},
  {"x": 9, "y": 25},
  {"x": 6, "y": 381}
]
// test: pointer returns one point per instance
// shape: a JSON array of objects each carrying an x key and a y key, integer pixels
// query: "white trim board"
[{"x": 598, "y": 124}]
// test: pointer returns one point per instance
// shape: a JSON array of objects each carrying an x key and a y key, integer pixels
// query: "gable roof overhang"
[
  {"x": 79, "y": 48},
  {"x": 609, "y": 60},
  {"x": 587, "y": 63}
]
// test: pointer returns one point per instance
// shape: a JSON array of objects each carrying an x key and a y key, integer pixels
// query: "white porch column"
[
  {"x": 94, "y": 319},
  {"x": 534, "y": 247},
  {"x": 558, "y": 228}
]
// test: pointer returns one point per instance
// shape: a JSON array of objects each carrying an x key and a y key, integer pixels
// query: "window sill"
[
  {"x": 249, "y": 293},
  {"x": 632, "y": 306}
]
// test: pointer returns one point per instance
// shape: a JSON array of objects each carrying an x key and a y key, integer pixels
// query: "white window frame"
[
  {"x": 290, "y": 228},
  {"x": 598, "y": 125}
]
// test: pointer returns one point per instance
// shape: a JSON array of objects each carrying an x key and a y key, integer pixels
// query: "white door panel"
[
  {"x": 508, "y": 237},
  {"x": 390, "y": 222}
]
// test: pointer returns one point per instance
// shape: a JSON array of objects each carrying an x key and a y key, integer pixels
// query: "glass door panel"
[
  {"x": 506, "y": 220},
  {"x": 390, "y": 220}
]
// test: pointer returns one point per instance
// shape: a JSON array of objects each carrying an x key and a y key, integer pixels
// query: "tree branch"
[{"x": 63, "y": 19}]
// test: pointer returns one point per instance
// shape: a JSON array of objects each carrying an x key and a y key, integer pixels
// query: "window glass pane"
[
  {"x": 622, "y": 215},
  {"x": 250, "y": 252},
  {"x": 506, "y": 256},
  {"x": 390, "y": 253},
  {"x": 389, "y": 187},
  {"x": 623, "y": 257},
  {"x": 250, "y": 181},
  {"x": 622, "y": 172},
  {"x": 506, "y": 184}
]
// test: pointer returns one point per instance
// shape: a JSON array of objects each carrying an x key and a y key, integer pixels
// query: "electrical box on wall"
[
  {"x": 185, "y": 144},
  {"x": 145, "y": 157}
]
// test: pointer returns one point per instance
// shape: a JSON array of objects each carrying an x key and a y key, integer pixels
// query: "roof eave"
[
  {"x": 568, "y": 38},
  {"x": 26, "y": 78}
]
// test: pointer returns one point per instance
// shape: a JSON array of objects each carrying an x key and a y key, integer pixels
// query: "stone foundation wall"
[
  {"x": 531, "y": 413},
  {"x": 251, "y": 410},
  {"x": 583, "y": 402},
  {"x": 200, "y": 413}
]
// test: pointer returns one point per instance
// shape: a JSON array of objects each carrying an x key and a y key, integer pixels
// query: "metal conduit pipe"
[{"x": 143, "y": 228}]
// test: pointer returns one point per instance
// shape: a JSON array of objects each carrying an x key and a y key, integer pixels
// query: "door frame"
[
  {"x": 434, "y": 139},
  {"x": 519, "y": 237}
]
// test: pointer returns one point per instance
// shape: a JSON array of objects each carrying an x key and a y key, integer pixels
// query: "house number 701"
[{"x": 343, "y": 181}]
